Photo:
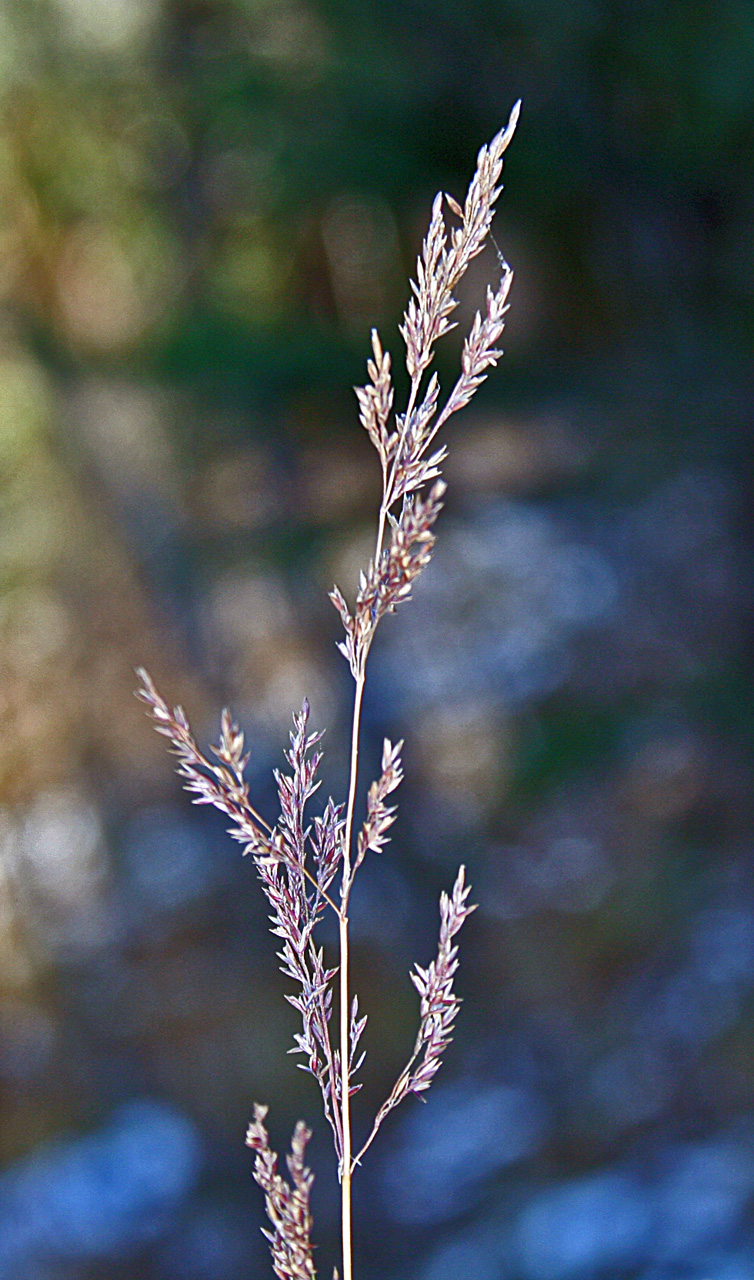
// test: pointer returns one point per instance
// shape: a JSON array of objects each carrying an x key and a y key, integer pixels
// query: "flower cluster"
[
  {"x": 297, "y": 896},
  {"x": 287, "y": 1206},
  {"x": 388, "y": 580},
  {"x": 403, "y": 449},
  {"x": 439, "y": 1003},
  {"x": 380, "y": 816}
]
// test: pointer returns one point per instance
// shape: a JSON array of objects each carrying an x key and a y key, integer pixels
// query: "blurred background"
[{"x": 204, "y": 206}]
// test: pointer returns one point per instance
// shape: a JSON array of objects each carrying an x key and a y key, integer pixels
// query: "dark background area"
[{"x": 204, "y": 207}]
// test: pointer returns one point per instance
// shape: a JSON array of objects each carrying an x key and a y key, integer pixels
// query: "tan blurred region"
[
  {"x": 73, "y": 618},
  {"x": 74, "y": 622}
]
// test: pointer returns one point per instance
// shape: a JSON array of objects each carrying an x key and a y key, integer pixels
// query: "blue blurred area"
[
  {"x": 668, "y": 1217},
  {"x": 445, "y": 1152},
  {"x": 204, "y": 207},
  {"x": 101, "y": 1196}
]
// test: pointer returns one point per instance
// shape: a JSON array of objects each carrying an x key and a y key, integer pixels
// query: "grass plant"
[{"x": 307, "y": 868}]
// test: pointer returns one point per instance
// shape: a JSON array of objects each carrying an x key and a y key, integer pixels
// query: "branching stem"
[
  {"x": 323, "y": 895},
  {"x": 348, "y": 1163}
]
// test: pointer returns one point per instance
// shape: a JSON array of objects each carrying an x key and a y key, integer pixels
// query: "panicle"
[
  {"x": 287, "y": 1204},
  {"x": 298, "y": 858},
  {"x": 376, "y": 403},
  {"x": 439, "y": 1003},
  {"x": 221, "y": 785},
  {"x": 280, "y": 858},
  {"x": 390, "y": 575},
  {"x": 407, "y": 462},
  {"x": 380, "y": 817},
  {"x": 438, "y": 1006},
  {"x": 443, "y": 261}
]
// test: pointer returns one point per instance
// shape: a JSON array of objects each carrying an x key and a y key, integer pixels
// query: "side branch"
[{"x": 438, "y": 1006}]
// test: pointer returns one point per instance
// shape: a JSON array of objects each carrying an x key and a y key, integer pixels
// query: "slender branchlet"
[{"x": 298, "y": 859}]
